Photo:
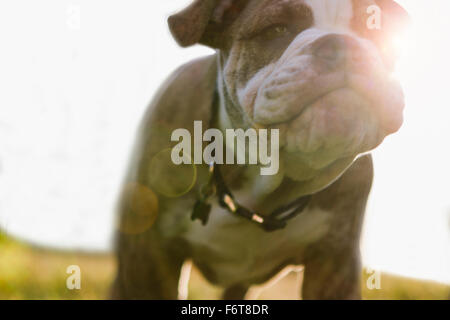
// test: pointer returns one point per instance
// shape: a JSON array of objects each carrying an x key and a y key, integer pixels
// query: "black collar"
[{"x": 216, "y": 187}]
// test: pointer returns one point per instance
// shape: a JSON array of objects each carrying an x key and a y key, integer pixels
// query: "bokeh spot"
[
  {"x": 169, "y": 179},
  {"x": 139, "y": 209}
]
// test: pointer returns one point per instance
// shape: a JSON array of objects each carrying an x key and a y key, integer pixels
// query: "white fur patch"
[
  {"x": 332, "y": 15},
  {"x": 238, "y": 250}
]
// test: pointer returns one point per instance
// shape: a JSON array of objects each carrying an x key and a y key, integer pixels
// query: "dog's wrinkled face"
[{"x": 312, "y": 68}]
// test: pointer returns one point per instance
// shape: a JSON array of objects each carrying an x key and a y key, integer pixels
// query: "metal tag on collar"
[
  {"x": 235, "y": 208},
  {"x": 257, "y": 218},
  {"x": 229, "y": 202}
]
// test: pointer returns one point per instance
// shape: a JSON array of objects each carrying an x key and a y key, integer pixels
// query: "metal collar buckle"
[{"x": 217, "y": 186}]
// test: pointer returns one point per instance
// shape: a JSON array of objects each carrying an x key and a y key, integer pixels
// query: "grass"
[{"x": 32, "y": 273}]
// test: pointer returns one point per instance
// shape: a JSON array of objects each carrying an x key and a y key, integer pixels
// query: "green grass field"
[{"x": 32, "y": 273}]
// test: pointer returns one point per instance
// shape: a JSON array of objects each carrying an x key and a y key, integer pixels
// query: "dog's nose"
[{"x": 334, "y": 49}]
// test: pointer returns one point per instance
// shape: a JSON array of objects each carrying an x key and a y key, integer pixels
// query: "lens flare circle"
[{"x": 169, "y": 179}]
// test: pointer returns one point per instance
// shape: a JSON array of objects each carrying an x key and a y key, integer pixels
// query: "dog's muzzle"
[{"x": 333, "y": 96}]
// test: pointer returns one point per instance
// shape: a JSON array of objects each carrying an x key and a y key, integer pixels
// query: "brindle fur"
[{"x": 149, "y": 263}]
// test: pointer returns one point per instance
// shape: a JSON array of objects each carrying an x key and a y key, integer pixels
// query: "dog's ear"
[
  {"x": 396, "y": 18},
  {"x": 395, "y": 21},
  {"x": 189, "y": 25},
  {"x": 204, "y": 21}
]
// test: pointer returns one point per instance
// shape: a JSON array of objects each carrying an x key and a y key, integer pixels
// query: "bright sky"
[{"x": 73, "y": 91}]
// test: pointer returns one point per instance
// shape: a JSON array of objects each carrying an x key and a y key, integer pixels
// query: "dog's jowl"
[{"x": 312, "y": 70}]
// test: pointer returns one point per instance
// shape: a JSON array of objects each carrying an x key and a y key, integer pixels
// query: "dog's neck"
[{"x": 248, "y": 185}]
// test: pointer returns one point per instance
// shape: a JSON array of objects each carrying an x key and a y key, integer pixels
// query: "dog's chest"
[{"x": 234, "y": 250}]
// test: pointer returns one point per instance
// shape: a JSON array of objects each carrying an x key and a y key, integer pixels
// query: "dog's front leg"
[
  {"x": 333, "y": 276},
  {"x": 147, "y": 269},
  {"x": 333, "y": 265},
  {"x": 236, "y": 292}
]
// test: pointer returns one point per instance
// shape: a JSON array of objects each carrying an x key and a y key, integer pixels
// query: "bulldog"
[{"x": 319, "y": 71}]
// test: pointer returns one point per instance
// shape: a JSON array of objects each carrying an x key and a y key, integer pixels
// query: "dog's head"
[{"x": 319, "y": 70}]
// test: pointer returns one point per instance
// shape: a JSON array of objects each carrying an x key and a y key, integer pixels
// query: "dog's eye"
[{"x": 274, "y": 32}]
